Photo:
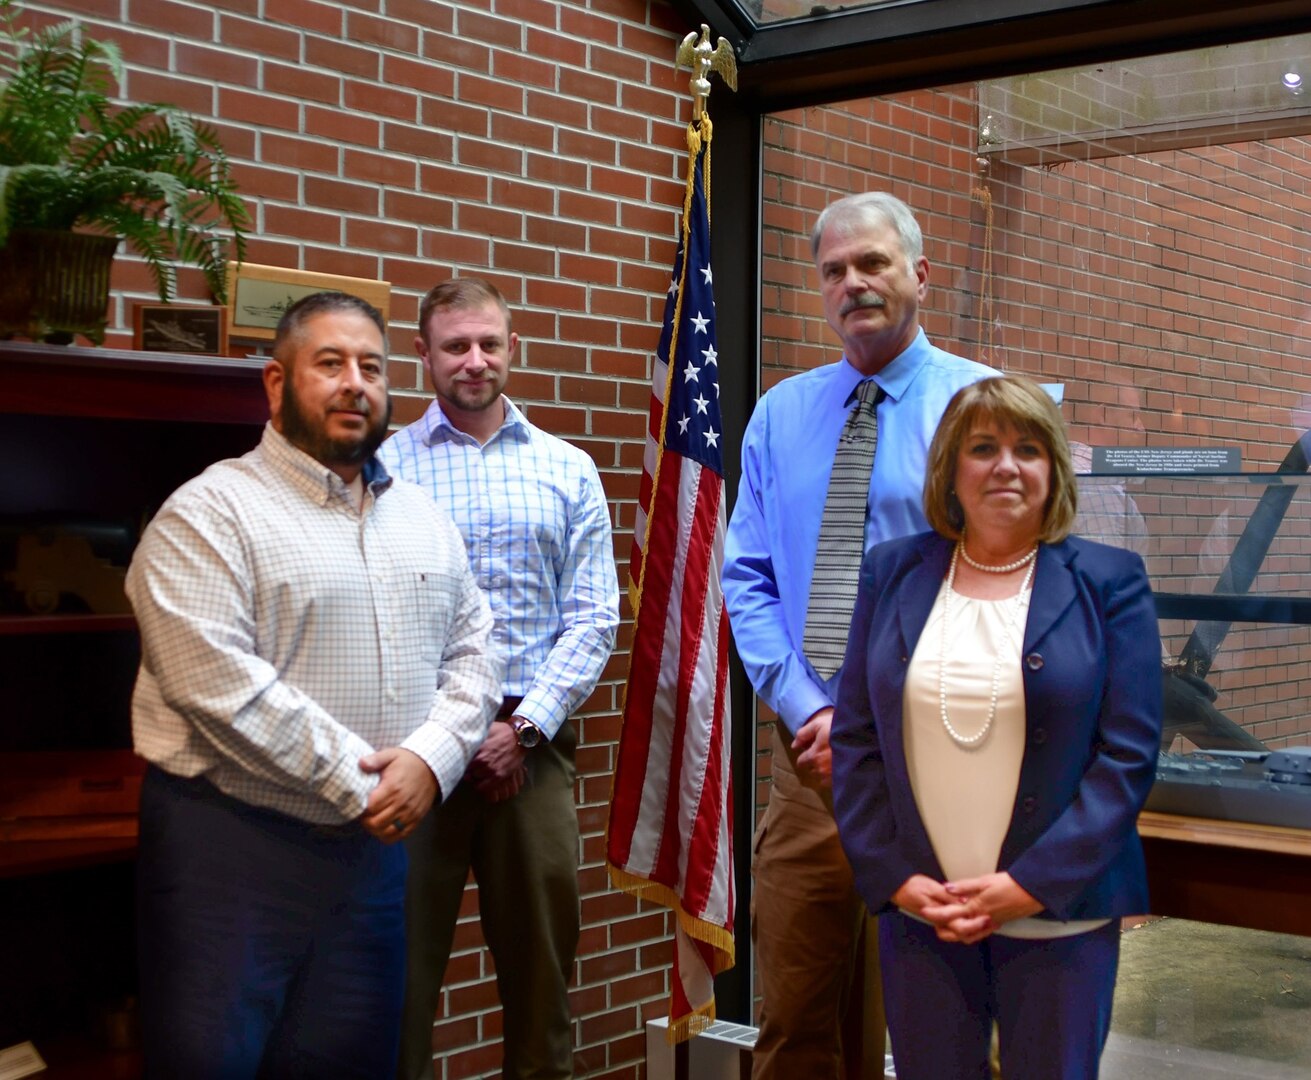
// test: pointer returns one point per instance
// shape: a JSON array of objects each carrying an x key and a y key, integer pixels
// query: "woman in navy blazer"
[{"x": 992, "y": 746}]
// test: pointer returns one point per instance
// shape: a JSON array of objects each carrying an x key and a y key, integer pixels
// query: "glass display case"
[{"x": 1229, "y": 556}]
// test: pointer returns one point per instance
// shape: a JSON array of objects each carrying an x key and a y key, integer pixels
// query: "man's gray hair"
[{"x": 871, "y": 208}]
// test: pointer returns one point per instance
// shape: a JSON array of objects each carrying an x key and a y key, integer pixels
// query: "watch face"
[{"x": 529, "y": 734}]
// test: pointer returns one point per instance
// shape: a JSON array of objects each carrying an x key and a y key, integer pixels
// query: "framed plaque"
[
  {"x": 180, "y": 328},
  {"x": 258, "y": 295}
]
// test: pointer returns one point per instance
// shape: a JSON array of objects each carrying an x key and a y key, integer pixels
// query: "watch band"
[{"x": 528, "y": 733}]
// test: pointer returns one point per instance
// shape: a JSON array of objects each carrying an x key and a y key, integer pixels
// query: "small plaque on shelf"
[{"x": 180, "y": 328}]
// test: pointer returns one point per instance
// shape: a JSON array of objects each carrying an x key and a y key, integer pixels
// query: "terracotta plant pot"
[{"x": 55, "y": 284}]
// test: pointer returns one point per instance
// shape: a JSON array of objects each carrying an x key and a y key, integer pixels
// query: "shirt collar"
[
  {"x": 316, "y": 480},
  {"x": 436, "y": 427},
  {"x": 896, "y": 375}
]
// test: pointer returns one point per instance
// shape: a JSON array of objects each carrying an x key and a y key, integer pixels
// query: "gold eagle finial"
[{"x": 697, "y": 55}]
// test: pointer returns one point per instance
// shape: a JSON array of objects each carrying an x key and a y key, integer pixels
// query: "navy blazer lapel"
[
  {"x": 919, "y": 589},
  {"x": 1053, "y": 591}
]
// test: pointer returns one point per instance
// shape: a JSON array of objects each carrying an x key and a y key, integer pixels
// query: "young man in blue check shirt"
[{"x": 535, "y": 519}]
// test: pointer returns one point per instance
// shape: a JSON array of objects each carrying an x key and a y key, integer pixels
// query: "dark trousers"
[
  {"x": 524, "y": 856},
  {"x": 268, "y": 947},
  {"x": 1051, "y": 1001}
]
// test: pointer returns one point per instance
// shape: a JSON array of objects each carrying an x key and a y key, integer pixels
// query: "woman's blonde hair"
[{"x": 1009, "y": 401}]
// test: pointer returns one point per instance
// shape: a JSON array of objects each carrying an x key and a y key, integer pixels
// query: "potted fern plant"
[{"x": 78, "y": 173}]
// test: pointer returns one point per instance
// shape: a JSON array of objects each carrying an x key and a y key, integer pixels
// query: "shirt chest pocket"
[{"x": 428, "y": 610}]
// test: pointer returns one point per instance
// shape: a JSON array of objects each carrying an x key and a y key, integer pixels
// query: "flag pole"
[
  {"x": 669, "y": 831},
  {"x": 695, "y": 53}
]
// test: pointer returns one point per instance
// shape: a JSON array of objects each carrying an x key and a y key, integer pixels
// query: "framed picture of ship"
[
  {"x": 258, "y": 295},
  {"x": 180, "y": 328}
]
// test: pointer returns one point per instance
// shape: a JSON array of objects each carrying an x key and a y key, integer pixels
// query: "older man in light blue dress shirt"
[{"x": 807, "y": 918}]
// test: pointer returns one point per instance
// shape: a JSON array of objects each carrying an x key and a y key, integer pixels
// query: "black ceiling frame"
[{"x": 861, "y": 52}]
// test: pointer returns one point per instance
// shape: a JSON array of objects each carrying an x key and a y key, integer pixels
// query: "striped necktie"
[{"x": 842, "y": 536}]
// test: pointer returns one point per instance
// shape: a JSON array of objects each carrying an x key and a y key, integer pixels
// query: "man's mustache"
[
  {"x": 354, "y": 403},
  {"x": 861, "y": 300}
]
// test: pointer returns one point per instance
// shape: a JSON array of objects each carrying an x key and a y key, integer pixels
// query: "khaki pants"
[
  {"x": 524, "y": 856},
  {"x": 816, "y": 949}
]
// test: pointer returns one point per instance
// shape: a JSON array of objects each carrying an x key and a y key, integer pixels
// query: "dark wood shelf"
[
  {"x": 100, "y": 438},
  {"x": 63, "y": 809},
  {"x": 23, "y": 858},
  {"x": 81, "y": 1058},
  {"x": 1230, "y": 872},
  {"x": 51, "y": 380},
  {"x": 65, "y": 624}
]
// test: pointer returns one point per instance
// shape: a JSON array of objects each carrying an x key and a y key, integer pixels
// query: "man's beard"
[
  {"x": 474, "y": 399},
  {"x": 300, "y": 432}
]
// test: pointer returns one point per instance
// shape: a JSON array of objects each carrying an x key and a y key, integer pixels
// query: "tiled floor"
[
  {"x": 1210, "y": 1002},
  {"x": 1130, "y": 1058}
]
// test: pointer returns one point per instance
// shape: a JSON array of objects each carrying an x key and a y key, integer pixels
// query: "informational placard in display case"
[
  {"x": 1167, "y": 460},
  {"x": 1229, "y": 557}
]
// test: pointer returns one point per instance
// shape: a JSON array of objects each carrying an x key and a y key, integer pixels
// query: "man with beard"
[
  {"x": 534, "y": 516},
  {"x": 317, "y": 668},
  {"x": 790, "y": 573}
]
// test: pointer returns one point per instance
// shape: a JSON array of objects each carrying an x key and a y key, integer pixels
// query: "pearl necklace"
[
  {"x": 996, "y": 569},
  {"x": 1012, "y": 616}
]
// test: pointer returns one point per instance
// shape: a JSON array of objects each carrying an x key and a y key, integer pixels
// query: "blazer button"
[
  {"x": 903, "y": 659},
  {"x": 1034, "y": 661},
  {"x": 1039, "y": 736},
  {"x": 1029, "y": 805}
]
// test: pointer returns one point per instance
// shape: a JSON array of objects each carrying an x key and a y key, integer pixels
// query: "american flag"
[{"x": 671, "y": 819}]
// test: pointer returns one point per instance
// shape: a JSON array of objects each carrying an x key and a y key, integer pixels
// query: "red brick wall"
[{"x": 536, "y": 143}]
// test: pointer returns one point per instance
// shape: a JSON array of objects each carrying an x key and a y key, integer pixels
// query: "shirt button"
[
  {"x": 1034, "y": 661},
  {"x": 1029, "y": 805},
  {"x": 392, "y": 696},
  {"x": 1039, "y": 736}
]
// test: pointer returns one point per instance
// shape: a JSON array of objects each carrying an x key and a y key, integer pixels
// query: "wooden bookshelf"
[{"x": 98, "y": 439}]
